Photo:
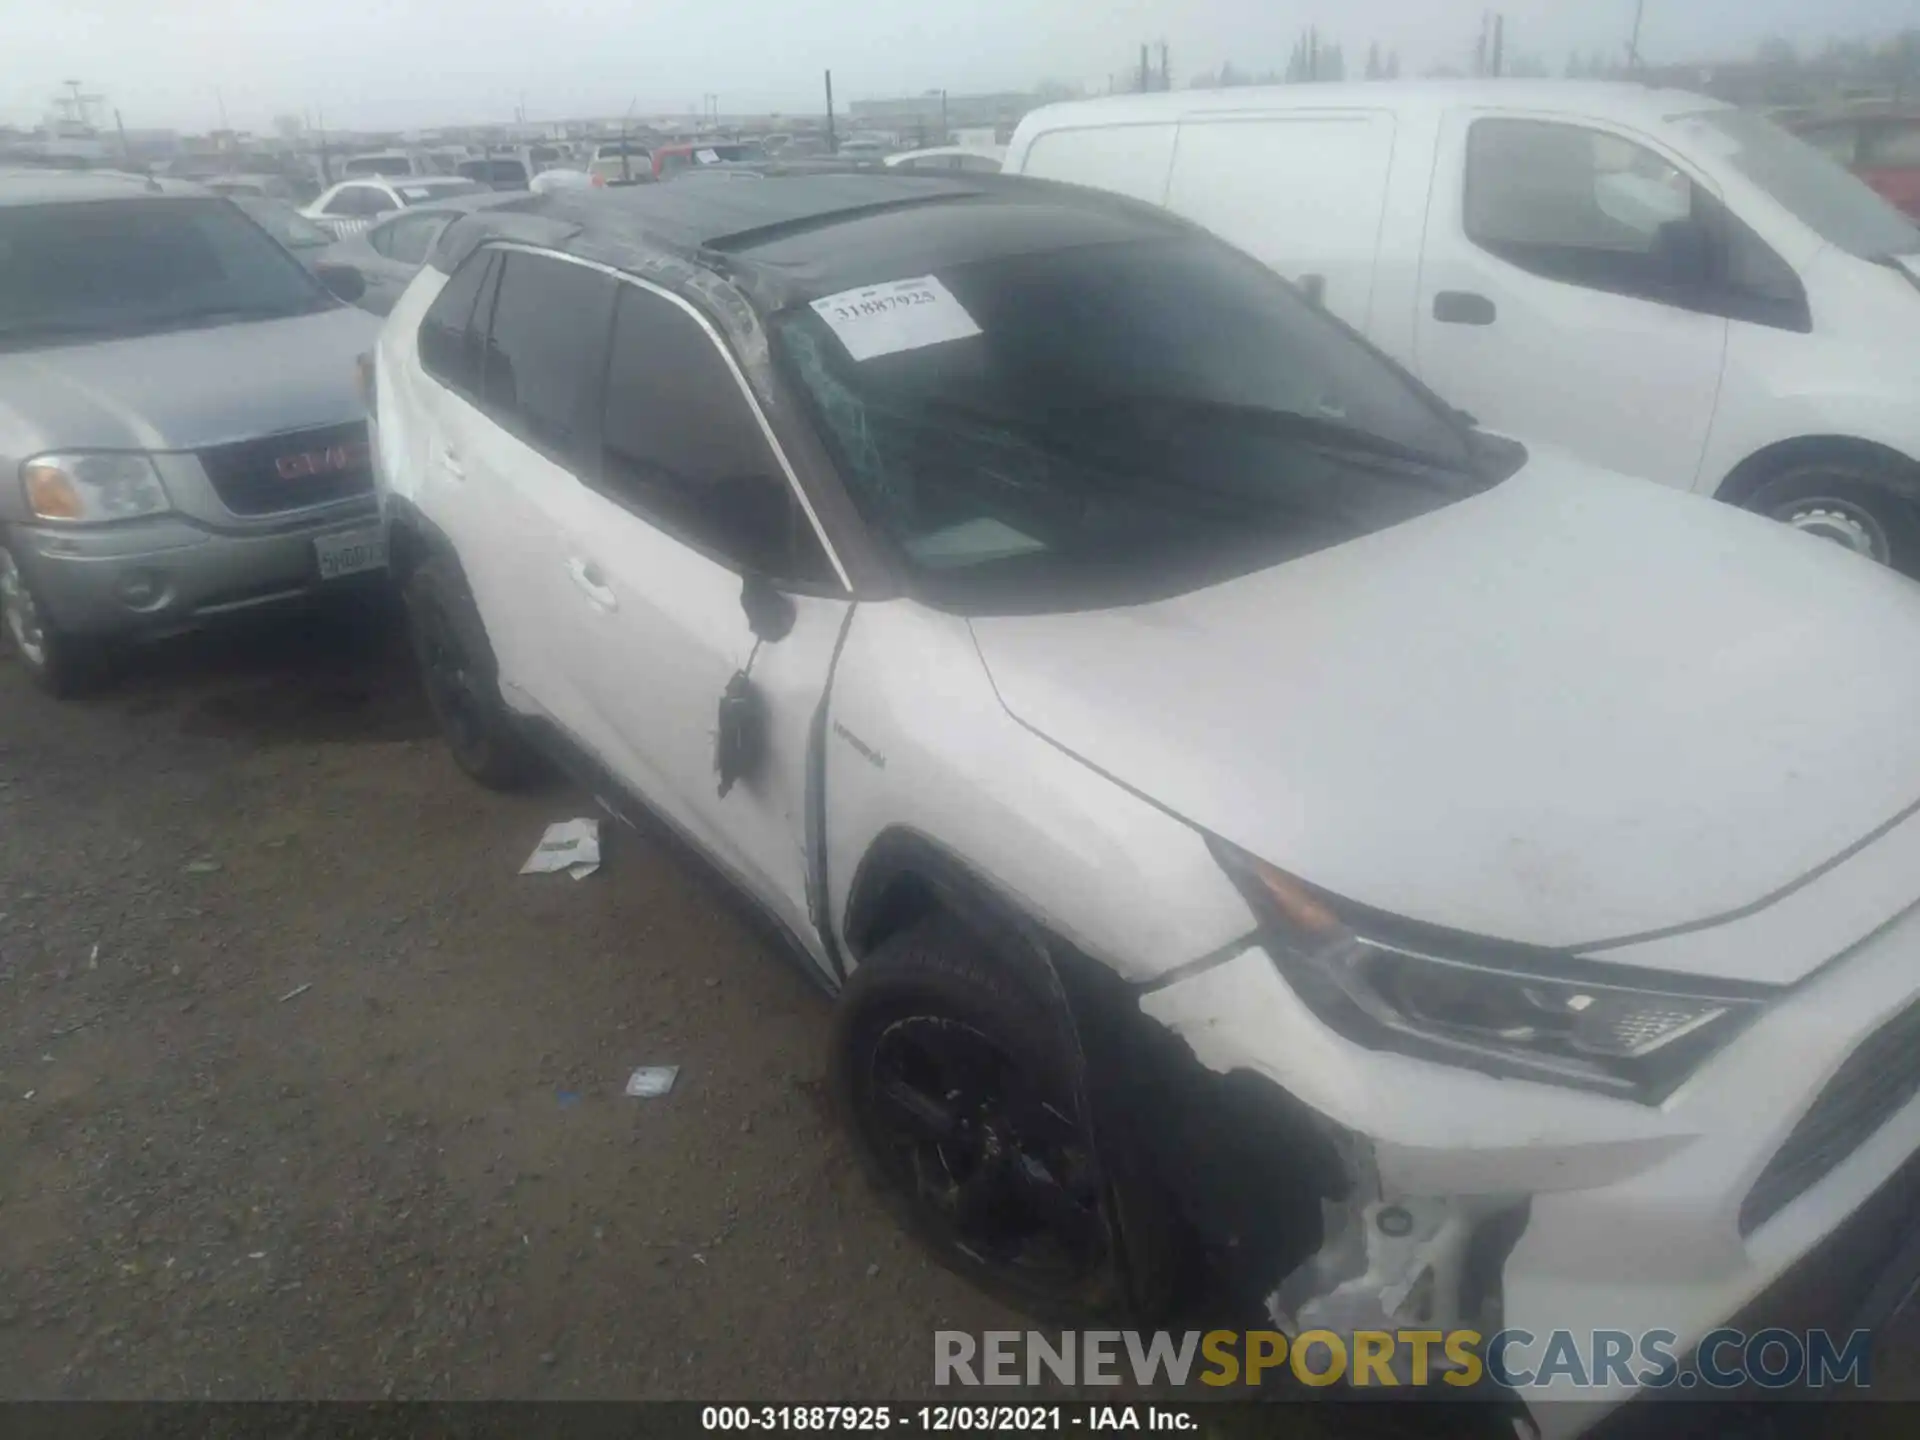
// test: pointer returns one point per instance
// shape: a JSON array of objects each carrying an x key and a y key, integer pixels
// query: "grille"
[
  {"x": 291, "y": 471},
  {"x": 1876, "y": 1081}
]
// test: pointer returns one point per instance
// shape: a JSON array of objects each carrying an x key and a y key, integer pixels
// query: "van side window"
[
  {"x": 1585, "y": 207},
  {"x": 544, "y": 348},
  {"x": 445, "y": 353},
  {"x": 683, "y": 450}
]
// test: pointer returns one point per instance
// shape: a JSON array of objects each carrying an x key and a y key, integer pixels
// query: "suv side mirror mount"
[{"x": 769, "y": 613}]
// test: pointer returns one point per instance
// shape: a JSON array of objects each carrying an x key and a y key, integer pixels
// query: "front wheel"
[
  {"x": 1852, "y": 503},
  {"x": 956, "y": 1082},
  {"x": 58, "y": 663},
  {"x": 456, "y": 666}
]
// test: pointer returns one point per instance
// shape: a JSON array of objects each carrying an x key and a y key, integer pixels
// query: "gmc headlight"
[
  {"x": 1512, "y": 1010},
  {"x": 87, "y": 488}
]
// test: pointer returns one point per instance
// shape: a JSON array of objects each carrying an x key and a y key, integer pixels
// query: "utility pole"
[
  {"x": 1313, "y": 52},
  {"x": 126, "y": 150},
  {"x": 1166, "y": 68},
  {"x": 833, "y": 146},
  {"x": 326, "y": 164},
  {"x": 1499, "y": 41},
  {"x": 1633, "y": 40},
  {"x": 1143, "y": 70},
  {"x": 945, "y": 133}
]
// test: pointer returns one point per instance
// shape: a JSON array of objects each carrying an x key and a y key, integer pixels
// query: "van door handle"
[
  {"x": 593, "y": 584},
  {"x": 1462, "y": 307}
]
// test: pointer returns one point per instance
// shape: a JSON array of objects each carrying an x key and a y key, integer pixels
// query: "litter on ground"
[
  {"x": 650, "y": 1082},
  {"x": 569, "y": 845}
]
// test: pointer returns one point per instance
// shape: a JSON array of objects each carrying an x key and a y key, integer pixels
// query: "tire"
[
  {"x": 62, "y": 665},
  {"x": 1012, "y": 1197},
  {"x": 1854, "y": 501},
  {"x": 461, "y": 680}
]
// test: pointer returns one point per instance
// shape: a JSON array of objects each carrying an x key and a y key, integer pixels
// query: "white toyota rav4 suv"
[{"x": 1233, "y": 800}]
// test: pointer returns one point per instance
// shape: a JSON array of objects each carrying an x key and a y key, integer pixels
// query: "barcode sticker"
[{"x": 900, "y": 315}]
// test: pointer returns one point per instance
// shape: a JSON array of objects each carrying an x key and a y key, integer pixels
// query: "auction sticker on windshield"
[{"x": 900, "y": 315}]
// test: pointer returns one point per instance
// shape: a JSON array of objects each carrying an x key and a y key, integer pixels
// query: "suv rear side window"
[
  {"x": 445, "y": 353},
  {"x": 1577, "y": 205},
  {"x": 683, "y": 449},
  {"x": 544, "y": 353}
]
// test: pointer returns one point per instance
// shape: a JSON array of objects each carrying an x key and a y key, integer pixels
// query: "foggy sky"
[{"x": 400, "y": 63}]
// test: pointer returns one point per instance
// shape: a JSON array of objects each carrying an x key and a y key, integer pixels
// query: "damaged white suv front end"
[{"x": 1585, "y": 952}]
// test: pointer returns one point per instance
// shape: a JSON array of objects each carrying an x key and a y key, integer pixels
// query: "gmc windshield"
[
  {"x": 1131, "y": 419},
  {"x": 110, "y": 268}
]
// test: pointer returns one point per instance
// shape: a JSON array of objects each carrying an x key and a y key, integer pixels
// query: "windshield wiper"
[{"x": 1324, "y": 431}]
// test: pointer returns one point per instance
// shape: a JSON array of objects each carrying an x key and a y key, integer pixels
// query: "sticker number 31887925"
[{"x": 900, "y": 315}]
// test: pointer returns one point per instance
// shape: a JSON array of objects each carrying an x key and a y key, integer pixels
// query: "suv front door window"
[
  {"x": 1538, "y": 230},
  {"x": 693, "y": 498}
]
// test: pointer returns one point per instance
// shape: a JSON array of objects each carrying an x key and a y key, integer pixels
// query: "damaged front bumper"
[{"x": 1425, "y": 1197}]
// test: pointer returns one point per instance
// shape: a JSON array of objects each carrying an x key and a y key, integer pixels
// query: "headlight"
[
  {"x": 1513, "y": 1010},
  {"x": 88, "y": 488}
]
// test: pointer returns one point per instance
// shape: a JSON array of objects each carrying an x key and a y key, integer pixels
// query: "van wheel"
[
  {"x": 59, "y": 664},
  {"x": 457, "y": 668},
  {"x": 1853, "y": 502},
  {"x": 955, "y": 1081}
]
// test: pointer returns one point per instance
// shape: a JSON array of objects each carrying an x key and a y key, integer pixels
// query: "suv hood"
[
  {"x": 1574, "y": 708},
  {"x": 185, "y": 389}
]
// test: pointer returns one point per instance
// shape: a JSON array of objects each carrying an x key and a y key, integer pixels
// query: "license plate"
[{"x": 351, "y": 551}]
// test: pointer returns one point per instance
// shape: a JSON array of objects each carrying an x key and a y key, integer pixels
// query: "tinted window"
[
  {"x": 544, "y": 351},
  {"x": 1835, "y": 204},
  {"x": 683, "y": 447},
  {"x": 445, "y": 352},
  {"x": 124, "y": 267},
  {"x": 408, "y": 239},
  {"x": 1100, "y": 424},
  {"x": 1578, "y": 205}
]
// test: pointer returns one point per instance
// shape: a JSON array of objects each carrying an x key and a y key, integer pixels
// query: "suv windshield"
[
  {"x": 1131, "y": 419},
  {"x": 495, "y": 172},
  {"x": 1829, "y": 199},
  {"x": 110, "y": 268}
]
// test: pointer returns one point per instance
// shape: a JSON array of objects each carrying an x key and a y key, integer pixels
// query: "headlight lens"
[
  {"x": 1603, "y": 1028},
  {"x": 89, "y": 488}
]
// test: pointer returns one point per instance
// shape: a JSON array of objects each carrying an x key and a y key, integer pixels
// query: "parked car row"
[{"x": 1247, "y": 808}]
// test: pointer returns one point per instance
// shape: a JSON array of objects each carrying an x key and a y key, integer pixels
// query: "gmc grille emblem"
[{"x": 330, "y": 461}]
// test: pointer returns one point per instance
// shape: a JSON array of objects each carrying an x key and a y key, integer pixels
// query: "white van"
[{"x": 1666, "y": 285}]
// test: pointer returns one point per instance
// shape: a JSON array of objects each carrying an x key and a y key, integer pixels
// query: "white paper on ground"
[
  {"x": 900, "y": 315},
  {"x": 650, "y": 1082},
  {"x": 569, "y": 845}
]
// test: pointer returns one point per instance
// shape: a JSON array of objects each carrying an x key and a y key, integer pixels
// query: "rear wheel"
[
  {"x": 1855, "y": 502},
  {"x": 457, "y": 668},
  {"x": 58, "y": 663},
  {"x": 956, "y": 1081}
]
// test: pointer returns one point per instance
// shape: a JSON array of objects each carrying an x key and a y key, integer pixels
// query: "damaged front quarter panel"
[{"x": 1289, "y": 1203}]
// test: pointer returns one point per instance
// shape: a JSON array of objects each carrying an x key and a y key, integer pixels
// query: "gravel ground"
[
  {"x": 417, "y": 1176},
  {"x": 303, "y": 1092}
]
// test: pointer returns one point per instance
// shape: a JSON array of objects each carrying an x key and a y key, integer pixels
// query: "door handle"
[
  {"x": 1462, "y": 307},
  {"x": 593, "y": 584}
]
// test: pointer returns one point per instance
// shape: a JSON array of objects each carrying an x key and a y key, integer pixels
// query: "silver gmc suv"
[{"x": 182, "y": 432}]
